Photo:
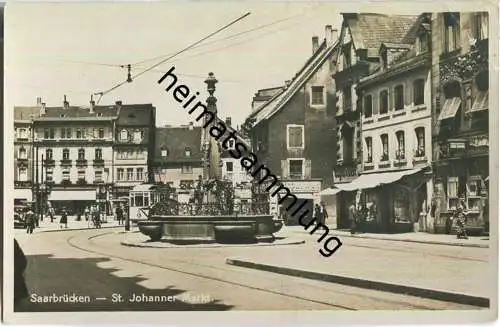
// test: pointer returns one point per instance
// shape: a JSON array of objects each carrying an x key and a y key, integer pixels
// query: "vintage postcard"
[{"x": 256, "y": 162}]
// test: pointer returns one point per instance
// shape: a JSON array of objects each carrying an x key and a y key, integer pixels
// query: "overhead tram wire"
[
  {"x": 257, "y": 28},
  {"x": 101, "y": 94}
]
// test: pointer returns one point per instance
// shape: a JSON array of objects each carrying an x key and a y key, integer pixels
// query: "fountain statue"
[{"x": 212, "y": 214}]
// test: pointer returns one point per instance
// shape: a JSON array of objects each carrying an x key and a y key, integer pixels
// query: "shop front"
[
  {"x": 75, "y": 201},
  {"x": 23, "y": 195},
  {"x": 306, "y": 191}
]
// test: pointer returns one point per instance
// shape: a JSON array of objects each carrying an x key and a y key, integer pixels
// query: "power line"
[{"x": 172, "y": 56}]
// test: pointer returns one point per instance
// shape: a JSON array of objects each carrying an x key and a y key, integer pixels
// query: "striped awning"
[
  {"x": 480, "y": 102},
  {"x": 450, "y": 108}
]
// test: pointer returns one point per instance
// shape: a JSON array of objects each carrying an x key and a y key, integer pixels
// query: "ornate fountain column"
[{"x": 212, "y": 168}]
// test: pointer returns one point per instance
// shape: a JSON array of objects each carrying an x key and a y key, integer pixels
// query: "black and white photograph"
[{"x": 293, "y": 161}]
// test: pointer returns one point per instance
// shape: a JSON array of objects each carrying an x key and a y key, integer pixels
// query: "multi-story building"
[
  {"x": 178, "y": 159},
  {"x": 264, "y": 95},
  {"x": 360, "y": 43},
  {"x": 460, "y": 139},
  {"x": 395, "y": 126},
  {"x": 133, "y": 146},
  {"x": 73, "y": 149},
  {"x": 292, "y": 133},
  {"x": 23, "y": 150}
]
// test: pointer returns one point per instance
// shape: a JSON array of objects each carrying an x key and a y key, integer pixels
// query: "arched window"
[
  {"x": 48, "y": 154},
  {"x": 419, "y": 91},
  {"x": 187, "y": 152},
  {"x": 98, "y": 154},
  {"x": 81, "y": 154},
  {"x": 384, "y": 102},
  {"x": 420, "y": 134},
  {"x": 399, "y": 97},
  {"x": 369, "y": 149},
  {"x": 384, "y": 139},
  {"x": 22, "y": 153},
  {"x": 400, "y": 152},
  {"x": 368, "y": 106},
  {"x": 65, "y": 154}
]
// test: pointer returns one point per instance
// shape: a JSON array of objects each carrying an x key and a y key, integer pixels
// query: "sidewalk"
[
  {"x": 73, "y": 224},
  {"x": 425, "y": 238}
]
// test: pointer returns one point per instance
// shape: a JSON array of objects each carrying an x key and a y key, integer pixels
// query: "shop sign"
[
  {"x": 478, "y": 141},
  {"x": 303, "y": 186}
]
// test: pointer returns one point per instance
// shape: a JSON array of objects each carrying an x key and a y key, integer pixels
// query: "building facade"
[
  {"x": 178, "y": 159},
  {"x": 460, "y": 133},
  {"x": 292, "y": 133},
  {"x": 360, "y": 42},
  {"x": 133, "y": 147},
  {"x": 395, "y": 125},
  {"x": 73, "y": 151}
]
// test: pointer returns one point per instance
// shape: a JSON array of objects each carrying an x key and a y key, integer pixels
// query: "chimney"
[
  {"x": 335, "y": 35},
  {"x": 118, "y": 103},
  {"x": 65, "y": 103},
  {"x": 315, "y": 43},
  {"x": 92, "y": 104},
  {"x": 228, "y": 121},
  {"x": 42, "y": 108},
  {"x": 38, "y": 102}
]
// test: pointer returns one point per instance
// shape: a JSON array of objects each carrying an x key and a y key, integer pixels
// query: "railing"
[
  {"x": 66, "y": 162},
  {"x": 81, "y": 162},
  {"x": 98, "y": 162},
  {"x": 171, "y": 207}
]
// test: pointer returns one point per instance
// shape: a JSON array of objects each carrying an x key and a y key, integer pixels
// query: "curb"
[
  {"x": 484, "y": 246},
  {"x": 368, "y": 284},
  {"x": 73, "y": 229},
  {"x": 215, "y": 245}
]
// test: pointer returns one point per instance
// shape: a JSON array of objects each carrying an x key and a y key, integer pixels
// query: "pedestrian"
[
  {"x": 64, "y": 218},
  {"x": 461, "y": 219},
  {"x": 119, "y": 214},
  {"x": 355, "y": 212},
  {"x": 318, "y": 216},
  {"x": 323, "y": 212},
  {"x": 30, "y": 221},
  {"x": 87, "y": 213},
  {"x": 52, "y": 213}
]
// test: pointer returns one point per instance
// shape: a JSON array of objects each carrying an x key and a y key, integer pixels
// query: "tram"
[{"x": 141, "y": 199}]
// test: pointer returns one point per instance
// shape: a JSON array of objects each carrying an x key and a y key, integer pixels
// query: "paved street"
[{"x": 93, "y": 263}]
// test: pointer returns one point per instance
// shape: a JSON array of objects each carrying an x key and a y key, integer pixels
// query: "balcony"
[
  {"x": 81, "y": 162},
  {"x": 49, "y": 163},
  {"x": 81, "y": 181},
  {"x": 345, "y": 173},
  {"x": 400, "y": 159},
  {"x": 66, "y": 162},
  {"x": 22, "y": 184},
  {"x": 368, "y": 165},
  {"x": 65, "y": 182},
  {"x": 98, "y": 162}
]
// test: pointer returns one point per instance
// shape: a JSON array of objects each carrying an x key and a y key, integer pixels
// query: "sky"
[{"x": 58, "y": 49}]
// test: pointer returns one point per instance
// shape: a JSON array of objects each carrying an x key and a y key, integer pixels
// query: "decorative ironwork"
[{"x": 463, "y": 67}]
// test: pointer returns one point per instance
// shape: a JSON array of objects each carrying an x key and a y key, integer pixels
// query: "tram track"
[{"x": 92, "y": 240}]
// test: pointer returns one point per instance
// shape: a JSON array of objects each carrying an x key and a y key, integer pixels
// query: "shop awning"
[
  {"x": 481, "y": 102},
  {"x": 143, "y": 188},
  {"x": 23, "y": 194},
  {"x": 329, "y": 191},
  {"x": 72, "y": 195},
  {"x": 373, "y": 180},
  {"x": 450, "y": 108}
]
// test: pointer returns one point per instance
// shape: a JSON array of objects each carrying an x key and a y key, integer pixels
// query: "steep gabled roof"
[
  {"x": 369, "y": 30},
  {"x": 175, "y": 140},
  {"x": 280, "y": 99},
  {"x": 136, "y": 115}
]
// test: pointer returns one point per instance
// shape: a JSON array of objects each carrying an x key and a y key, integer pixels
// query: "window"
[
  {"x": 106, "y": 173},
  {"x": 98, "y": 176},
  {"x": 479, "y": 26},
  {"x": 384, "y": 102},
  {"x": 399, "y": 97},
  {"x": 52, "y": 133},
  {"x": 120, "y": 174},
  {"x": 63, "y": 133},
  {"x": 65, "y": 154},
  {"x": 22, "y": 133},
  {"x": 164, "y": 152},
  {"x": 140, "y": 174},
  {"x": 95, "y": 133},
  {"x": 420, "y": 133},
  {"x": 400, "y": 152},
  {"x": 98, "y": 154},
  {"x": 81, "y": 174},
  {"x": 229, "y": 166},
  {"x": 22, "y": 153},
  {"x": 295, "y": 167},
  {"x": 48, "y": 154},
  {"x": 81, "y": 154},
  {"x": 451, "y": 31},
  {"x": 384, "y": 59},
  {"x": 317, "y": 95},
  {"x": 187, "y": 169},
  {"x": 481, "y": 96},
  {"x": 368, "y": 106},
  {"x": 137, "y": 136},
  {"x": 139, "y": 200},
  {"x": 79, "y": 133},
  {"x": 68, "y": 133},
  {"x": 23, "y": 174},
  {"x": 187, "y": 152},
  {"x": 384, "y": 139},
  {"x": 123, "y": 135},
  {"x": 453, "y": 100},
  {"x": 369, "y": 149},
  {"x": 347, "y": 98},
  {"x": 295, "y": 136},
  {"x": 230, "y": 144},
  {"x": 65, "y": 175},
  {"x": 48, "y": 174},
  {"x": 130, "y": 174},
  {"x": 101, "y": 133},
  {"x": 422, "y": 43},
  {"x": 347, "y": 56},
  {"x": 419, "y": 92},
  {"x": 347, "y": 133},
  {"x": 45, "y": 133}
]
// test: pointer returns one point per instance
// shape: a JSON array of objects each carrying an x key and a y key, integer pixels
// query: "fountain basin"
[{"x": 209, "y": 229}]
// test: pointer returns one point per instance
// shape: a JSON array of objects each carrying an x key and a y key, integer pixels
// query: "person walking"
[
  {"x": 119, "y": 214},
  {"x": 64, "y": 218},
  {"x": 323, "y": 212},
  {"x": 52, "y": 213},
  {"x": 355, "y": 212},
  {"x": 318, "y": 217},
  {"x": 30, "y": 221},
  {"x": 87, "y": 213}
]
